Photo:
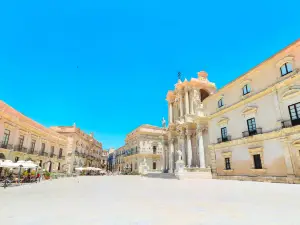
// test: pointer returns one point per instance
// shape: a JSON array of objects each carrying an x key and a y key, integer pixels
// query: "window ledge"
[
  {"x": 228, "y": 170},
  {"x": 258, "y": 170},
  {"x": 246, "y": 95}
]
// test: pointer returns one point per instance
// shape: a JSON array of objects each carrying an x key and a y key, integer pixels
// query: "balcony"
[
  {"x": 30, "y": 151},
  {"x": 51, "y": 155},
  {"x": 19, "y": 148},
  {"x": 41, "y": 152},
  {"x": 290, "y": 123},
  {"x": 252, "y": 132},
  {"x": 224, "y": 139},
  {"x": 6, "y": 146},
  {"x": 61, "y": 157},
  {"x": 45, "y": 153}
]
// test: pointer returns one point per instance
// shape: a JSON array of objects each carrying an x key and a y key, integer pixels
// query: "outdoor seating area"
[
  {"x": 90, "y": 171},
  {"x": 18, "y": 173}
]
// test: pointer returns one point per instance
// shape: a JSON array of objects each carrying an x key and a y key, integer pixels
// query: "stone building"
[
  {"x": 145, "y": 143},
  {"x": 247, "y": 130},
  {"x": 188, "y": 130},
  {"x": 24, "y": 139},
  {"x": 254, "y": 121},
  {"x": 83, "y": 149}
]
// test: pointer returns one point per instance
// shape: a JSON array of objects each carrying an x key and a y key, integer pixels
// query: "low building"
[
  {"x": 145, "y": 143},
  {"x": 83, "y": 149},
  {"x": 24, "y": 139}
]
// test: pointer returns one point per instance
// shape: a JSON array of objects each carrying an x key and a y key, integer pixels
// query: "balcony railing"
[
  {"x": 252, "y": 132},
  {"x": 224, "y": 139},
  {"x": 51, "y": 155},
  {"x": 19, "y": 148},
  {"x": 290, "y": 123},
  {"x": 45, "y": 153},
  {"x": 61, "y": 157},
  {"x": 30, "y": 151},
  {"x": 41, "y": 152},
  {"x": 6, "y": 146}
]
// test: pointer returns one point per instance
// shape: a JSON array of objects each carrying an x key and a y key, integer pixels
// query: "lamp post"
[{"x": 20, "y": 167}]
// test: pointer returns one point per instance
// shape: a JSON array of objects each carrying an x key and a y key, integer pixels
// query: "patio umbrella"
[{"x": 8, "y": 164}]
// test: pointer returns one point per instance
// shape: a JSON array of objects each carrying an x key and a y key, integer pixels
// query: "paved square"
[{"x": 134, "y": 200}]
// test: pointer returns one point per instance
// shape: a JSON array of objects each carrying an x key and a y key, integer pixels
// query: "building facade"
[
  {"x": 144, "y": 144},
  {"x": 247, "y": 130},
  {"x": 83, "y": 149},
  {"x": 188, "y": 125},
  {"x": 254, "y": 121},
  {"x": 25, "y": 139}
]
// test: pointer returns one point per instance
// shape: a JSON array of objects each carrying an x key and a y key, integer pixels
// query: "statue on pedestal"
[{"x": 163, "y": 122}]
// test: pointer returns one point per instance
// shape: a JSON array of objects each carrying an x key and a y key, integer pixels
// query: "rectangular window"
[
  {"x": 220, "y": 103},
  {"x": 257, "y": 161},
  {"x": 21, "y": 141},
  {"x": 246, "y": 89},
  {"x": 224, "y": 134},
  {"x": 154, "y": 149},
  {"x": 251, "y": 126},
  {"x": 43, "y": 148},
  {"x": 154, "y": 165},
  {"x": 52, "y": 151},
  {"x": 227, "y": 164},
  {"x": 295, "y": 113},
  {"x": 286, "y": 68},
  {"x": 33, "y": 145},
  {"x": 6, "y": 137}
]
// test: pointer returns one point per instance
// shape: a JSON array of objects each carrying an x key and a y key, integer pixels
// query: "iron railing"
[
  {"x": 224, "y": 139},
  {"x": 252, "y": 132}
]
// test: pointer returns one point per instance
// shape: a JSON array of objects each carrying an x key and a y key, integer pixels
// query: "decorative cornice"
[
  {"x": 272, "y": 88},
  {"x": 291, "y": 92},
  {"x": 249, "y": 110},
  {"x": 223, "y": 121},
  {"x": 253, "y": 151}
]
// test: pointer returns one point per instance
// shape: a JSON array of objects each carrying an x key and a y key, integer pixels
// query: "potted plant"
[{"x": 47, "y": 175}]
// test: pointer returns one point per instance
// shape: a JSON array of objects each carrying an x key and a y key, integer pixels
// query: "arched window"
[
  {"x": 246, "y": 89},
  {"x": 204, "y": 94},
  {"x": 286, "y": 69},
  {"x": 220, "y": 102}
]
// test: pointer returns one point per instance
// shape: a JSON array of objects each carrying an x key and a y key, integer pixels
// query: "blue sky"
[{"x": 128, "y": 54}]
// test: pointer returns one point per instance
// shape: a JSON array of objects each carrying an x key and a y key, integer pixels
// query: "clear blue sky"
[{"x": 128, "y": 54}]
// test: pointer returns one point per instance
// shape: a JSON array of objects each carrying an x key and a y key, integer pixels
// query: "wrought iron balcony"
[
  {"x": 224, "y": 139},
  {"x": 290, "y": 123},
  {"x": 252, "y": 132},
  {"x": 6, "y": 146},
  {"x": 45, "y": 153},
  {"x": 19, "y": 148},
  {"x": 30, "y": 151},
  {"x": 41, "y": 152}
]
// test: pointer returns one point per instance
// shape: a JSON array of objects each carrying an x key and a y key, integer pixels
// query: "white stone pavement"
[{"x": 132, "y": 200}]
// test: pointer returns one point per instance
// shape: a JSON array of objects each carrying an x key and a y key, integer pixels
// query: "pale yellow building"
[
  {"x": 247, "y": 130},
  {"x": 83, "y": 149},
  {"x": 144, "y": 144},
  {"x": 24, "y": 139},
  {"x": 254, "y": 122}
]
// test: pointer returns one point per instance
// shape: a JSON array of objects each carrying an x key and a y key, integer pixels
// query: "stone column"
[
  {"x": 170, "y": 113},
  {"x": 288, "y": 157},
  {"x": 181, "y": 105},
  {"x": 189, "y": 149},
  {"x": 171, "y": 155},
  {"x": 186, "y": 98},
  {"x": 201, "y": 147},
  {"x": 181, "y": 138},
  {"x": 191, "y": 94}
]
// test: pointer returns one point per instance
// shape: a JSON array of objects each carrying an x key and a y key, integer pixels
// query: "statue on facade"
[
  {"x": 197, "y": 101},
  {"x": 163, "y": 122},
  {"x": 179, "y": 153}
]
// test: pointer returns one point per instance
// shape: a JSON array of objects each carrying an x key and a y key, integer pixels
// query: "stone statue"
[
  {"x": 179, "y": 154},
  {"x": 163, "y": 122},
  {"x": 196, "y": 100}
]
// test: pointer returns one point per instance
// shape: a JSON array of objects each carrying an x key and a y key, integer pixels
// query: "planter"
[{"x": 47, "y": 177}]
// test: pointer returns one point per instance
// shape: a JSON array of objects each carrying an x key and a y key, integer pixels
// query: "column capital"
[{"x": 189, "y": 132}]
